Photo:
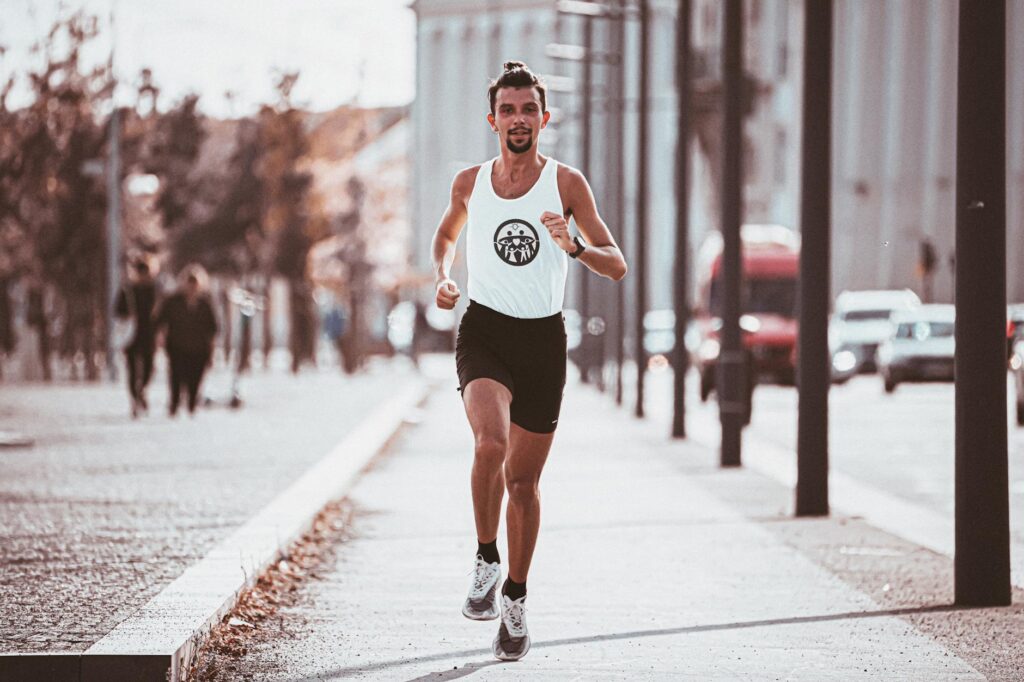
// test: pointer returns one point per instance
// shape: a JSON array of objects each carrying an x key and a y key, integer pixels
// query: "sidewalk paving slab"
[{"x": 652, "y": 564}]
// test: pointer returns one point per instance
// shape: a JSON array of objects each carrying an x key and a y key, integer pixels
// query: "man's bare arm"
[
  {"x": 447, "y": 235},
  {"x": 602, "y": 254}
]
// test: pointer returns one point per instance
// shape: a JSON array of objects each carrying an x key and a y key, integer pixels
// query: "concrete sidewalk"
[
  {"x": 103, "y": 512},
  {"x": 652, "y": 564}
]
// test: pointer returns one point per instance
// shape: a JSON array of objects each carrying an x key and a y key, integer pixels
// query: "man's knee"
[
  {"x": 522, "y": 488},
  {"x": 491, "y": 448}
]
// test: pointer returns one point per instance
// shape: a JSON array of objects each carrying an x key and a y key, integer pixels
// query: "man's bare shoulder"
[
  {"x": 462, "y": 185},
  {"x": 570, "y": 179}
]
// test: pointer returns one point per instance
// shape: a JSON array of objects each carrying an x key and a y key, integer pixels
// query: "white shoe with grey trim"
[
  {"x": 482, "y": 601},
  {"x": 512, "y": 641}
]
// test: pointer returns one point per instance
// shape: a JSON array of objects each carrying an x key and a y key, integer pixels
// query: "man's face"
[{"x": 518, "y": 118}]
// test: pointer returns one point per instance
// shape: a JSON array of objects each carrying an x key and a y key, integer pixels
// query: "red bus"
[{"x": 771, "y": 270}]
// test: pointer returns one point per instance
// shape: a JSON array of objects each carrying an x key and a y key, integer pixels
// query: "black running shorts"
[{"x": 526, "y": 355}]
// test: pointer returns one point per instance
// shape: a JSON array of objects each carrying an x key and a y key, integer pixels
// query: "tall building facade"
[{"x": 894, "y": 125}]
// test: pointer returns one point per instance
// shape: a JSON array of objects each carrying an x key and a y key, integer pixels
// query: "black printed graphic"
[{"x": 516, "y": 242}]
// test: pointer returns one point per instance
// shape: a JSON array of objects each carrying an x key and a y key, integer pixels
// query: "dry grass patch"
[{"x": 251, "y": 620}]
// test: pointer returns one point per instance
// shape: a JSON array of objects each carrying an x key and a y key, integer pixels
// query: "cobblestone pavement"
[
  {"x": 652, "y": 564},
  {"x": 103, "y": 511}
]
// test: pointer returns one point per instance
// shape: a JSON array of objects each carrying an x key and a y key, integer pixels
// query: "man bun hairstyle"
[{"x": 517, "y": 75}]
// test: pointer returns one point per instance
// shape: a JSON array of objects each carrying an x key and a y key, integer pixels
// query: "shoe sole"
[
  {"x": 502, "y": 656},
  {"x": 483, "y": 615},
  {"x": 491, "y": 614}
]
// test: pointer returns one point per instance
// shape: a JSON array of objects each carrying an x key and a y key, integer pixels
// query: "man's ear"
[
  {"x": 544, "y": 121},
  {"x": 490, "y": 119}
]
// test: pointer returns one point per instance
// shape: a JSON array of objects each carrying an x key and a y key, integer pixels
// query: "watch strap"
[{"x": 580, "y": 247}]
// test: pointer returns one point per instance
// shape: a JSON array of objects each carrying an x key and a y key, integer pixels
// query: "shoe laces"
[
  {"x": 483, "y": 576},
  {"x": 513, "y": 614}
]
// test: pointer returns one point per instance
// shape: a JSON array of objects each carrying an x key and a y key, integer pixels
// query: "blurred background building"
[
  {"x": 324, "y": 207},
  {"x": 894, "y": 125}
]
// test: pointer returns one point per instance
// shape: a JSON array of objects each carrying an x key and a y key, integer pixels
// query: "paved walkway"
[
  {"x": 102, "y": 512},
  {"x": 891, "y": 457},
  {"x": 652, "y": 564}
]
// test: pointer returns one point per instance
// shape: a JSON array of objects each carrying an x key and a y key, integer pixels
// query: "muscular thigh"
[
  {"x": 527, "y": 454},
  {"x": 487, "y": 407}
]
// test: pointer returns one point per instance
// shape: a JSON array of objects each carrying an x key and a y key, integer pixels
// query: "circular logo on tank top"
[{"x": 516, "y": 242}]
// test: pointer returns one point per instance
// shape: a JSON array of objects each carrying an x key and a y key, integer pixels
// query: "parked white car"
[
  {"x": 921, "y": 346},
  {"x": 859, "y": 323}
]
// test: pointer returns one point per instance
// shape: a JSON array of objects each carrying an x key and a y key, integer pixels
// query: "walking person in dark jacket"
[
  {"x": 137, "y": 301},
  {"x": 190, "y": 327}
]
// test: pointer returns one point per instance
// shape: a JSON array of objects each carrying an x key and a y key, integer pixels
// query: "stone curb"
[{"x": 158, "y": 641}]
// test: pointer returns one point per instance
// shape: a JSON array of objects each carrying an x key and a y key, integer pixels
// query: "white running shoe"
[
  {"x": 482, "y": 601},
  {"x": 512, "y": 641}
]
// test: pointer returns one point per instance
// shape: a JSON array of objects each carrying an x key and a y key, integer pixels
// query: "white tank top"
[{"x": 514, "y": 265}]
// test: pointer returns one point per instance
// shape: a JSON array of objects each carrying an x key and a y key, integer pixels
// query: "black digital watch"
[{"x": 580, "y": 247}]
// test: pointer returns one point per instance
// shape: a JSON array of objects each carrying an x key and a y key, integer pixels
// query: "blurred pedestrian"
[
  {"x": 335, "y": 325},
  {"x": 189, "y": 326},
  {"x": 420, "y": 331},
  {"x": 511, "y": 348},
  {"x": 135, "y": 305}
]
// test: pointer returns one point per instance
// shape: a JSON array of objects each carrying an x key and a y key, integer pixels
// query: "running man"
[{"x": 511, "y": 351}]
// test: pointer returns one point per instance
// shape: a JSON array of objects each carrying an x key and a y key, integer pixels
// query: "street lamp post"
[
  {"x": 616, "y": 140},
  {"x": 113, "y": 180},
  {"x": 680, "y": 361},
  {"x": 814, "y": 373},
  {"x": 586, "y": 100},
  {"x": 982, "y": 557},
  {"x": 731, "y": 359},
  {"x": 641, "y": 208}
]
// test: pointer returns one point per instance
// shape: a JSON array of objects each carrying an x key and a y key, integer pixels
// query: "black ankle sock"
[
  {"x": 488, "y": 550},
  {"x": 513, "y": 590}
]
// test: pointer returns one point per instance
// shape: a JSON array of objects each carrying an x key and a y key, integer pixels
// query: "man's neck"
[{"x": 517, "y": 164}]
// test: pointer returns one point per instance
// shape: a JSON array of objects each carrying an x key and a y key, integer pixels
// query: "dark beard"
[{"x": 519, "y": 148}]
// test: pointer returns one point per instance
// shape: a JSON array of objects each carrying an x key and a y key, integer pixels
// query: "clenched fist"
[
  {"x": 559, "y": 230},
  {"x": 447, "y": 294}
]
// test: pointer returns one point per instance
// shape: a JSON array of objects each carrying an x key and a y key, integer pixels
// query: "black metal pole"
[
  {"x": 618, "y": 99},
  {"x": 814, "y": 373},
  {"x": 641, "y": 209},
  {"x": 587, "y": 345},
  {"x": 114, "y": 241},
  {"x": 982, "y": 558},
  {"x": 602, "y": 292},
  {"x": 680, "y": 361},
  {"x": 731, "y": 360}
]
